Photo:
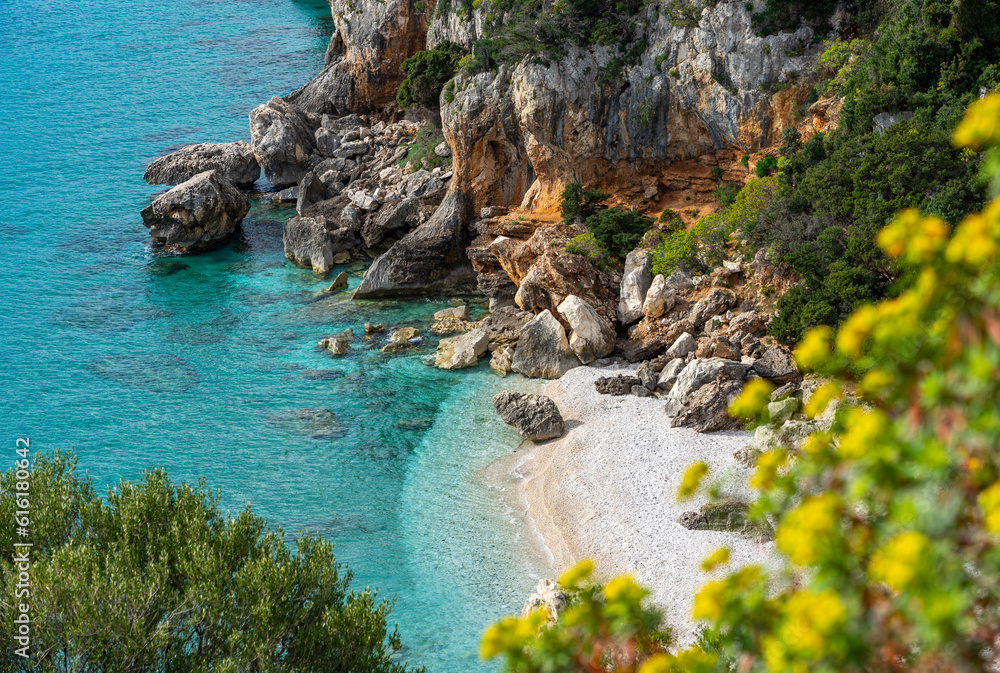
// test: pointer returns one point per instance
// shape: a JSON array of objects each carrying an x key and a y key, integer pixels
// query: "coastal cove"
[{"x": 206, "y": 365}]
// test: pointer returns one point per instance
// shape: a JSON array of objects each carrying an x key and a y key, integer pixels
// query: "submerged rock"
[
  {"x": 153, "y": 373},
  {"x": 535, "y": 417},
  {"x": 312, "y": 423},
  {"x": 197, "y": 214},
  {"x": 234, "y": 162}
]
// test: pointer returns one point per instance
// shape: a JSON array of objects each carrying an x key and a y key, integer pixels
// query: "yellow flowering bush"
[
  {"x": 605, "y": 629},
  {"x": 887, "y": 524}
]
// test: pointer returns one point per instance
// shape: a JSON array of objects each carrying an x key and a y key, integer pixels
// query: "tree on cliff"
[
  {"x": 887, "y": 525},
  {"x": 156, "y": 578},
  {"x": 426, "y": 73}
]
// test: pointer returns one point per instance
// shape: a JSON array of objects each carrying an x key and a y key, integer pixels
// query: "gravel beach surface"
[{"x": 606, "y": 490}]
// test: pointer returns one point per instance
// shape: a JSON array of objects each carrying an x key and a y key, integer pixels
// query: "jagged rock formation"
[
  {"x": 234, "y": 162},
  {"x": 197, "y": 214}
]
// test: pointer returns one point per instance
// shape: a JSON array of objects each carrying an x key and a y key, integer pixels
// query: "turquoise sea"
[{"x": 200, "y": 364}]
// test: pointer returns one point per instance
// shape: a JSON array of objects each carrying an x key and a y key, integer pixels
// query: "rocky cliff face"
[
  {"x": 696, "y": 93},
  {"x": 372, "y": 38}
]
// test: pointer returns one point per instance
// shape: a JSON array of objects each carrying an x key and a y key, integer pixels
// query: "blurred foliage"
[
  {"x": 888, "y": 523},
  {"x": 603, "y": 629},
  {"x": 157, "y": 578}
]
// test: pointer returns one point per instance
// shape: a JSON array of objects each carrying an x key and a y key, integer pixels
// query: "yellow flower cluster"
[
  {"x": 709, "y": 602},
  {"x": 858, "y": 327},
  {"x": 768, "y": 464},
  {"x": 511, "y": 634},
  {"x": 877, "y": 382},
  {"x": 913, "y": 237},
  {"x": 717, "y": 558},
  {"x": 691, "y": 480},
  {"x": 974, "y": 242},
  {"x": 623, "y": 588},
  {"x": 821, "y": 398},
  {"x": 989, "y": 502},
  {"x": 806, "y": 530},
  {"x": 693, "y": 660},
  {"x": 572, "y": 578},
  {"x": 809, "y": 619},
  {"x": 752, "y": 398},
  {"x": 981, "y": 125},
  {"x": 898, "y": 562},
  {"x": 865, "y": 431},
  {"x": 815, "y": 348}
]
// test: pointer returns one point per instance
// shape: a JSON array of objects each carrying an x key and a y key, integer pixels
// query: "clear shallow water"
[{"x": 200, "y": 363}]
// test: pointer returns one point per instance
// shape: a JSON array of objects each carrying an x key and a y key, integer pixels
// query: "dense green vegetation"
[
  {"x": 616, "y": 231},
  {"x": 157, "y": 578},
  {"x": 929, "y": 58},
  {"x": 426, "y": 73}
]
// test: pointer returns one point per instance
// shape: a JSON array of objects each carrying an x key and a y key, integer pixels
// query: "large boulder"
[
  {"x": 535, "y": 417},
  {"x": 711, "y": 305},
  {"x": 635, "y": 283},
  {"x": 504, "y": 326},
  {"x": 197, "y": 214},
  {"x": 429, "y": 258},
  {"x": 592, "y": 336},
  {"x": 311, "y": 242},
  {"x": 696, "y": 374},
  {"x": 461, "y": 351},
  {"x": 283, "y": 138},
  {"x": 683, "y": 345},
  {"x": 659, "y": 298},
  {"x": 233, "y": 162},
  {"x": 398, "y": 215},
  {"x": 543, "y": 350},
  {"x": 778, "y": 366},
  {"x": 708, "y": 408}
]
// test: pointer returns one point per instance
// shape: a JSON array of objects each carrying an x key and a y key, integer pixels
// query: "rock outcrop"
[
  {"x": 696, "y": 374},
  {"x": 461, "y": 351},
  {"x": 591, "y": 336},
  {"x": 313, "y": 243},
  {"x": 233, "y": 162},
  {"x": 635, "y": 283},
  {"x": 535, "y": 417},
  {"x": 548, "y": 596},
  {"x": 543, "y": 350},
  {"x": 197, "y": 214},
  {"x": 283, "y": 138},
  {"x": 429, "y": 259}
]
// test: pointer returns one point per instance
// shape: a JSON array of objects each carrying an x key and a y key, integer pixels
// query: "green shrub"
[
  {"x": 765, "y": 166},
  {"x": 618, "y": 230},
  {"x": 717, "y": 173},
  {"x": 579, "y": 203},
  {"x": 676, "y": 252},
  {"x": 671, "y": 218},
  {"x": 426, "y": 73},
  {"x": 422, "y": 147},
  {"x": 588, "y": 246},
  {"x": 726, "y": 194},
  {"x": 157, "y": 578}
]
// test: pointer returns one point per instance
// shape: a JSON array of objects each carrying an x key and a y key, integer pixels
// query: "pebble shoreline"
[{"x": 606, "y": 489}]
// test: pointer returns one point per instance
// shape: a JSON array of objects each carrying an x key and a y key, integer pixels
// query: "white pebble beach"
[{"x": 606, "y": 490}]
